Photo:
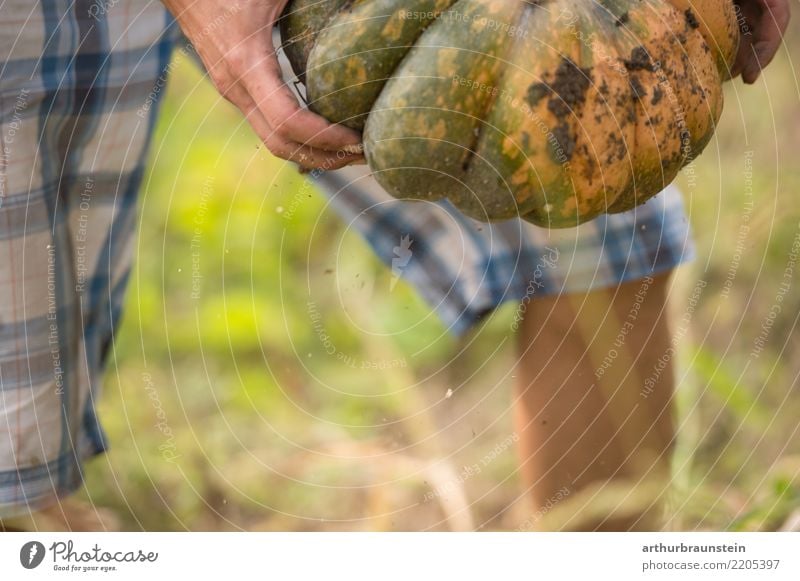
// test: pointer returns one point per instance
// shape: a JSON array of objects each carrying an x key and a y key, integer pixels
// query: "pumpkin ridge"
[
  {"x": 347, "y": 81},
  {"x": 615, "y": 179},
  {"x": 527, "y": 7},
  {"x": 297, "y": 45},
  {"x": 686, "y": 76},
  {"x": 639, "y": 63},
  {"x": 574, "y": 95}
]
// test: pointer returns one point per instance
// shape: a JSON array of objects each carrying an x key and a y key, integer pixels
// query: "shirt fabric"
[
  {"x": 465, "y": 268},
  {"x": 79, "y": 86}
]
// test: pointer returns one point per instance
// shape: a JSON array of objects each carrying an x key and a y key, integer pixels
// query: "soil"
[
  {"x": 565, "y": 140},
  {"x": 565, "y": 93},
  {"x": 569, "y": 87},
  {"x": 636, "y": 86},
  {"x": 639, "y": 60},
  {"x": 691, "y": 19},
  {"x": 536, "y": 92},
  {"x": 568, "y": 92},
  {"x": 658, "y": 94}
]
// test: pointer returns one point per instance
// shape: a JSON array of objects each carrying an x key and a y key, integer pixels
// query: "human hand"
[
  {"x": 234, "y": 41},
  {"x": 761, "y": 24}
]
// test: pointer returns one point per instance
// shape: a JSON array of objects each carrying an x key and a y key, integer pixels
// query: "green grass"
[{"x": 262, "y": 428}]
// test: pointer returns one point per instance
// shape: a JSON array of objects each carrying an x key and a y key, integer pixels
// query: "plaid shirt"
[
  {"x": 74, "y": 85},
  {"x": 465, "y": 268}
]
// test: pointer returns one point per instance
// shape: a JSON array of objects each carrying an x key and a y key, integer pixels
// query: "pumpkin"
[{"x": 553, "y": 110}]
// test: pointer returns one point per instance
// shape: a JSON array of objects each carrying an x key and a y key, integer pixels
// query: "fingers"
[
  {"x": 767, "y": 21},
  {"x": 767, "y": 38},
  {"x": 749, "y": 14},
  {"x": 306, "y": 157},
  {"x": 288, "y": 130},
  {"x": 751, "y": 68},
  {"x": 242, "y": 63},
  {"x": 290, "y": 121}
]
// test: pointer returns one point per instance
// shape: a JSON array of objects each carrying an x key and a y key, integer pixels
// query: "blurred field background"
[{"x": 269, "y": 376}]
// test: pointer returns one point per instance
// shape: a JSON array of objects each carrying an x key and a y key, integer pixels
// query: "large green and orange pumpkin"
[{"x": 552, "y": 110}]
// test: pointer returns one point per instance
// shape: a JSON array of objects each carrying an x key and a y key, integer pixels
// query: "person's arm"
[
  {"x": 762, "y": 28},
  {"x": 234, "y": 41}
]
